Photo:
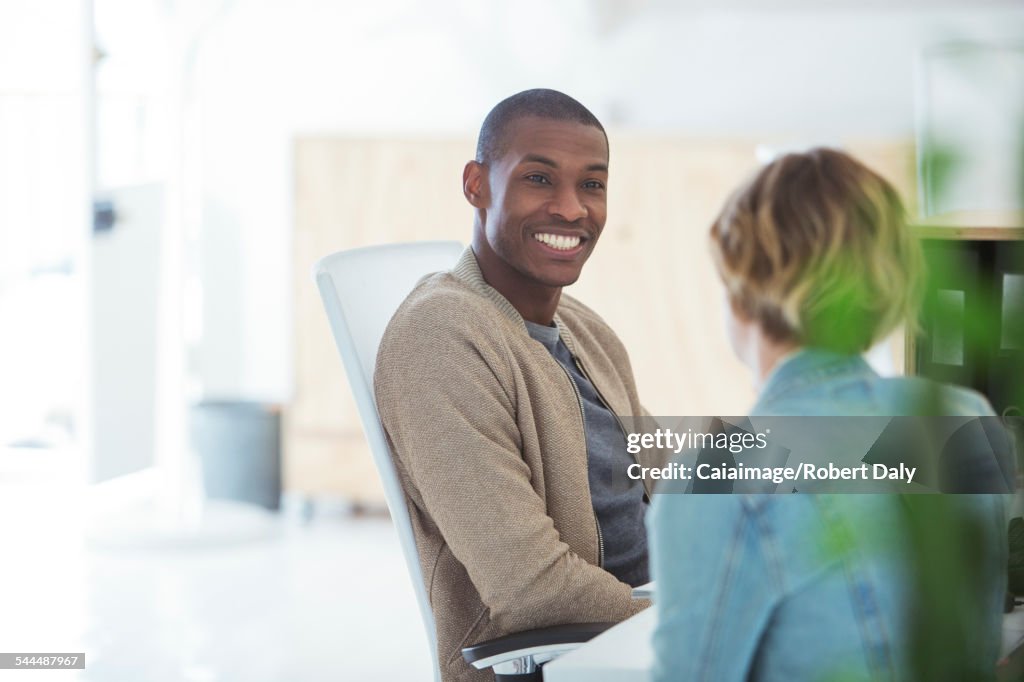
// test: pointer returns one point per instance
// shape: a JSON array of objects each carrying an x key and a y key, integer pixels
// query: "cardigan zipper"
[
  {"x": 583, "y": 420},
  {"x": 622, "y": 428}
]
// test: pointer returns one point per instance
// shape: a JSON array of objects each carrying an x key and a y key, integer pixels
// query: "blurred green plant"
[{"x": 954, "y": 558}]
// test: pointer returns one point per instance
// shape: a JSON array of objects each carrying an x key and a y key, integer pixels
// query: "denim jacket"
[{"x": 747, "y": 585}]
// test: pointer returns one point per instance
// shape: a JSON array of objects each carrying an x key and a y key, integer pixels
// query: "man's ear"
[{"x": 474, "y": 184}]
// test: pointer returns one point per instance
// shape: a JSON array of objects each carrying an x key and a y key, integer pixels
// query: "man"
[{"x": 500, "y": 397}]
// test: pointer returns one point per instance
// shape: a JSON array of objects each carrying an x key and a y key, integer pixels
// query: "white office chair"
[{"x": 361, "y": 289}]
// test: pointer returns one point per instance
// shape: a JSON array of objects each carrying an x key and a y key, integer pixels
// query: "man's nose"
[{"x": 568, "y": 206}]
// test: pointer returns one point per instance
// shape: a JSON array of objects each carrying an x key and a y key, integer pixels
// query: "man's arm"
[{"x": 452, "y": 422}]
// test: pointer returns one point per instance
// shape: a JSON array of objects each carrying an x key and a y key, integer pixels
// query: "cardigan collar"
[{"x": 467, "y": 269}]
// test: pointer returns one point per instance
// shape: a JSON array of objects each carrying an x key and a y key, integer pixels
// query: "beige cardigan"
[{"x": 487, "y": 436}]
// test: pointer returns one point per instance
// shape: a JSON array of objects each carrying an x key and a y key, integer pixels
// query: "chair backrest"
[{"x": 361, "y": 289}]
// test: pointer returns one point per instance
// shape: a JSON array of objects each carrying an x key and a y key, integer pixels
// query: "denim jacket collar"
[{"x": 808, "y": 367}]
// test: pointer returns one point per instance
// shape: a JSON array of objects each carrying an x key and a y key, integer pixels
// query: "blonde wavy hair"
[{"x": 815, "y": 249}]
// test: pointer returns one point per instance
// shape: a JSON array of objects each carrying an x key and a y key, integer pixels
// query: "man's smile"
[
  {"x": 561, "y": 244},
  {"x": 558, "y": 241}
]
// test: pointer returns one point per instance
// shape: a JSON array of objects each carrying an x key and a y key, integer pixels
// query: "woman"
[{"x": 818, "y": 265}]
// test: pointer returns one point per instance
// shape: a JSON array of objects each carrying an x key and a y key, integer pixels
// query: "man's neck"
[{"x": 535, "y": 302}]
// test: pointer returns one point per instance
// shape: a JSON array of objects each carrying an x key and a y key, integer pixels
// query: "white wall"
[
  {"x": 43, "y": 218},
  {"x": 272, "y": 70}
]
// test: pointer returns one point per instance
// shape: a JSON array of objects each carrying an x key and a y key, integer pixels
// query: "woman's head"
[{"x": 815, "y": 251}]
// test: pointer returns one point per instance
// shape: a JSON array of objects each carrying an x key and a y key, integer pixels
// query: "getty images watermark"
[
  {"x": 742, "y": 472},
  {"x": 918, "y": 454}
]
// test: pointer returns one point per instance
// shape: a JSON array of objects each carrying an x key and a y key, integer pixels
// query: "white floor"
[{"x": 330, "y": 600}]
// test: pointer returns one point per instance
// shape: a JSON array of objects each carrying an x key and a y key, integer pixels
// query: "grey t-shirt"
[{"x": 619, "y": 507}]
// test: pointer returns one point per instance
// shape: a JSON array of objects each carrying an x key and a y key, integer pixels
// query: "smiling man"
[{"x": 501, "y": 397}]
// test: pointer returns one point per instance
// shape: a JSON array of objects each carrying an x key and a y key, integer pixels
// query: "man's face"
[{"x": 547, "y": 199}]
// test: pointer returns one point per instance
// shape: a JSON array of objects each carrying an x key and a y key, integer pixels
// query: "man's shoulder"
[
  {"x": 444, "y": 336},
  {"x": 440, "y": 301},
  {"x": 442, "y": 320}
]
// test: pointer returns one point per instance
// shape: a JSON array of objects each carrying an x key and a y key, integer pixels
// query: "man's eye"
[
  {"x": 593, "y": 184},
  {"x": 538, "y": 178}
]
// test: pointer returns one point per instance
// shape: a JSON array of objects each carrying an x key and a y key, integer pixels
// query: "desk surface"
[
  {"x": 1013, "y": 631},
  {"x": 624, "y": 653}
]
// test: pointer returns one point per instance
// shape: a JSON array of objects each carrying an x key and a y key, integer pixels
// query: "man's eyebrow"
[{"x": 537, "y": 158}]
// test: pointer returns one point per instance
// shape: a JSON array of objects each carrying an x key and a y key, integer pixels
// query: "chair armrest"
[{"x": 521, "y": 652}]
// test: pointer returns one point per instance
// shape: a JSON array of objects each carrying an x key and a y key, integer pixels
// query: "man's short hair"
[
  {"x": 816, "y": 250},
  {"x": 541, "y": 103}
]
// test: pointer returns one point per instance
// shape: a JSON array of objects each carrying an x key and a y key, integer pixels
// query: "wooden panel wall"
[{"x": 650, "y": 277}]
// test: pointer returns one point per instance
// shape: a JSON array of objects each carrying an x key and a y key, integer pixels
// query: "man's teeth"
[{"x": 557, "y": 241}]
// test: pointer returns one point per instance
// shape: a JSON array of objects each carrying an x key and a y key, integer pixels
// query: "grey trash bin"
[{"x": 239, "y": 446}]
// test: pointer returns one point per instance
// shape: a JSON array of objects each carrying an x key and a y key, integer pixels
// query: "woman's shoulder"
[
  {"x": 867, "y": 394},
  {"x": 919, "y": 395}
]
